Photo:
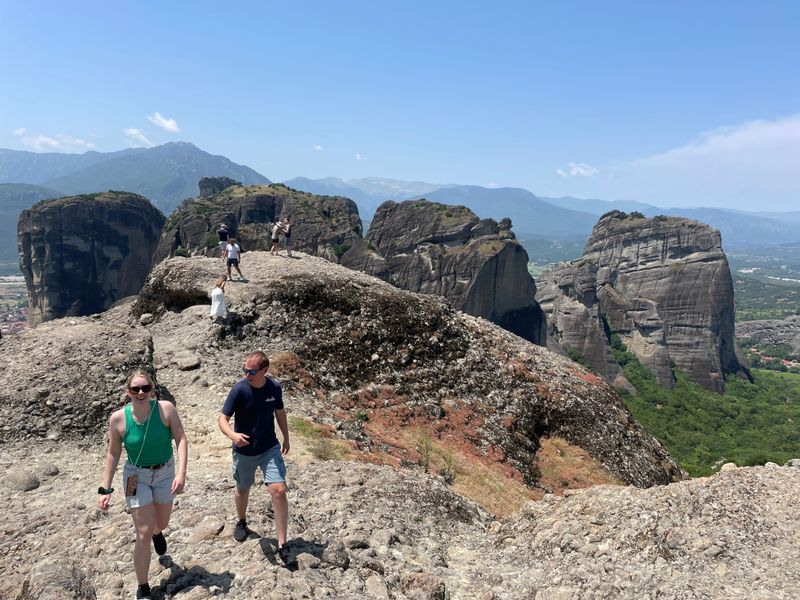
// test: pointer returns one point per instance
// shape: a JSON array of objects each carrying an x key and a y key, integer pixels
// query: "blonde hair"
[
  {"x": 220, "y": 281},
  {"x": 143, "y": 374}
]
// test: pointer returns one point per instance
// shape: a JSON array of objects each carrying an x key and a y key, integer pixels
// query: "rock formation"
[
  {"x": 321, "y": 225},
  {"x": 210, "y": 186},
  {"x": 476, "y": 264},
  {"x": 772, "y": 331},
  {"x": 81, "y": 254},
  {"x": 662, "y": 284},
  {"x": 366, "y": 368}
]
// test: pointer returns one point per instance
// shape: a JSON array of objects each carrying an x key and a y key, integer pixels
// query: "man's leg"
[
  {"x": 280, "y": 505},
  {"x": 241, "y": 497}
]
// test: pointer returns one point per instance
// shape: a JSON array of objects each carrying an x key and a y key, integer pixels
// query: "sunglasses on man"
[{"x": 252, "y": 372}]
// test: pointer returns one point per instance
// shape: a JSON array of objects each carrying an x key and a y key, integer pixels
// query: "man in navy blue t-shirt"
[{"x": 255, "y": 403}]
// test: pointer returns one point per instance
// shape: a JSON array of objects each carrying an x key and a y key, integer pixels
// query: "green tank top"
[{"x": 158, "y": 443}]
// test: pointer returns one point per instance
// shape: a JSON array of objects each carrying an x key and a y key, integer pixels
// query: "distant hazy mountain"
[
  {"x": 15, "y": 197},
  {"x": 530, "y": 215},
  {"x": 599, "y": 207},
  {"x": 739, "y": 229},
  {"x": 786, "y": 216},
  {"x": 164, "y": 174},
  {"x": 17, "y": 166},
  {"x": 369, "y": 192}
]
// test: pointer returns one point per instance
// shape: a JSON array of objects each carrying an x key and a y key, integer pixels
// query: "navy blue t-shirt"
[{"x": 253, "y": 412}]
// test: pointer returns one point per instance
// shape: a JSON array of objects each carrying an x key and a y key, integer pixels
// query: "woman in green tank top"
[{"x": 150, "y": 480}]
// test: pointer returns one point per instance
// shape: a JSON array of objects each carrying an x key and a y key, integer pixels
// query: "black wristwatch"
[{"x": 103, "y": 491}]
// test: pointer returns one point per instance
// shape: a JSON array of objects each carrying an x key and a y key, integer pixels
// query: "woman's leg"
[
  {"x": 144, "y": 519},
  {"x": 162, "y": 513}
]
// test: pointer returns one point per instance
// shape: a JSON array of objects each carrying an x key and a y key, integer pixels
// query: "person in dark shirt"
[
  {"x": 255, "y": 403},
  {"x": 222, "y": 232}
]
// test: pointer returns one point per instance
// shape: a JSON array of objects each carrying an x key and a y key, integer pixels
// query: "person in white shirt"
[
  {"x": 218, "y": 306},
  {"x": 234, "y": 256},
  {"x": 276, "y": 238}
]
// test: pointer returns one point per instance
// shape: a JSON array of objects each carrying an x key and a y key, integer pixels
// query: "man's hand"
[
  {"x": 285, "y": 446},
  {"x": 102, "y": 502},
  {"x": 240, "y": 440}
]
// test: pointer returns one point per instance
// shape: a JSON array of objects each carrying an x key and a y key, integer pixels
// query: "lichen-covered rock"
[
  {"x": 321, "y": 225},
  {"x": 64, "y": 378},
  {"x": 401, "y": 357},
  {"x": 432, "y": 248},
  {"x": 662, "y": 284},
  {"x": 772, "y": 331},
  {"x": 81, "y": 254}
]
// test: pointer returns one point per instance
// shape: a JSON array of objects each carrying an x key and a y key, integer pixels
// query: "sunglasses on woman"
[{"x": 141, "y": 388}]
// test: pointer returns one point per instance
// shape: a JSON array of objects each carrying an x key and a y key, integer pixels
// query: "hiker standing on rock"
[
  {"x": 287, "y": 236},
  {"x": 234, "y": 256},
  {"x": 255, "y": 403},
  {"x": 276, "y": 238},
  {"x": 222, "y": 232},
  {"x": 146, "y": 427}
]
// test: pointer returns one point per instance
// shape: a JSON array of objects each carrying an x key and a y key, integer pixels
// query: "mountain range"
[
  {"x": 169, "y": 173},
  {"x": 164, "y": 174}
]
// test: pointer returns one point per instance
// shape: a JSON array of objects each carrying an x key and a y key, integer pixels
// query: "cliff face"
[
  {"x": 662, "y": 284},
  {"x": 772, "y": 331},
  {"x": 478, "y": 265},
  {"x": 80, "y": 254},
  {"x": 321, "y": 225}
]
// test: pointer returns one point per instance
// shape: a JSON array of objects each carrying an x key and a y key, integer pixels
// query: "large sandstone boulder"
[
  {"x": 321, "y": 225},
  {"x": 363, "y": 347},
  {"x": 81, "y": 254},
  {"x": 662, "y": 284},
  {"x": 432, "y": 248}
]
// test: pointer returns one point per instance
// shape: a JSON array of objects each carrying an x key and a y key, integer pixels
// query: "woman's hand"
[
  {"x": 102, "y": 502},
  {"x": 178, "y": 484}
]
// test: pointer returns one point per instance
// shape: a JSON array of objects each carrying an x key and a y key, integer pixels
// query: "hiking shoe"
[
  {"x": 143, "y": 592},
  {"x": 240, "y": 533},
  {"x": 160, "y": 543},
  {"x": 284, "y": 554}
]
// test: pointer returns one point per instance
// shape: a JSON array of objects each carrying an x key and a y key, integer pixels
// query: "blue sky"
[{"x": 674, "y": 103}]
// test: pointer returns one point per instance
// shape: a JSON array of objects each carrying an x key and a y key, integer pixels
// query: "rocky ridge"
[
  {"x": 662, "y": 284},
  {"x": 359, "y": 530},
  {"x": 80, "y": 254},
  {"x": 321, "y": 225},
  {"x": 477, "y": 264}
]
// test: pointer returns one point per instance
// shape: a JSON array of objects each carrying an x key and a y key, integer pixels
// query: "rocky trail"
[{"x": 357, "y": 530}]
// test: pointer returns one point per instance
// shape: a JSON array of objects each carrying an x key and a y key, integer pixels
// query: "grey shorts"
[
  {"x": 223, "y": 245},
  {"x": 271, "y": 464},
  {"x": 153, "y": 486}
]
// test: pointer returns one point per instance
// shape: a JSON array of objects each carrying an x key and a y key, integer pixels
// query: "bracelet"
[{"x": 103, "y": 491}]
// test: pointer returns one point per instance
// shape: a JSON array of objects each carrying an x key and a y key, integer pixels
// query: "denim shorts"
[
  {"x": 153, "y": 486},
  {"x": 271, "y": 463}
]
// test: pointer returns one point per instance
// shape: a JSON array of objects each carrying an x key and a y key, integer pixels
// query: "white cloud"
[
  {"x": 752, "y": 165},
  {"x": 136, "y": 138},
  {"x": 318, "y": 148},
  {"x": 59, "y": 141},
  {"x": 578, "y": 170},
  {"x": 166, "y": 124},
  {"x": 492, "y": 185},
  {"x": 360, "y": 156}
]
